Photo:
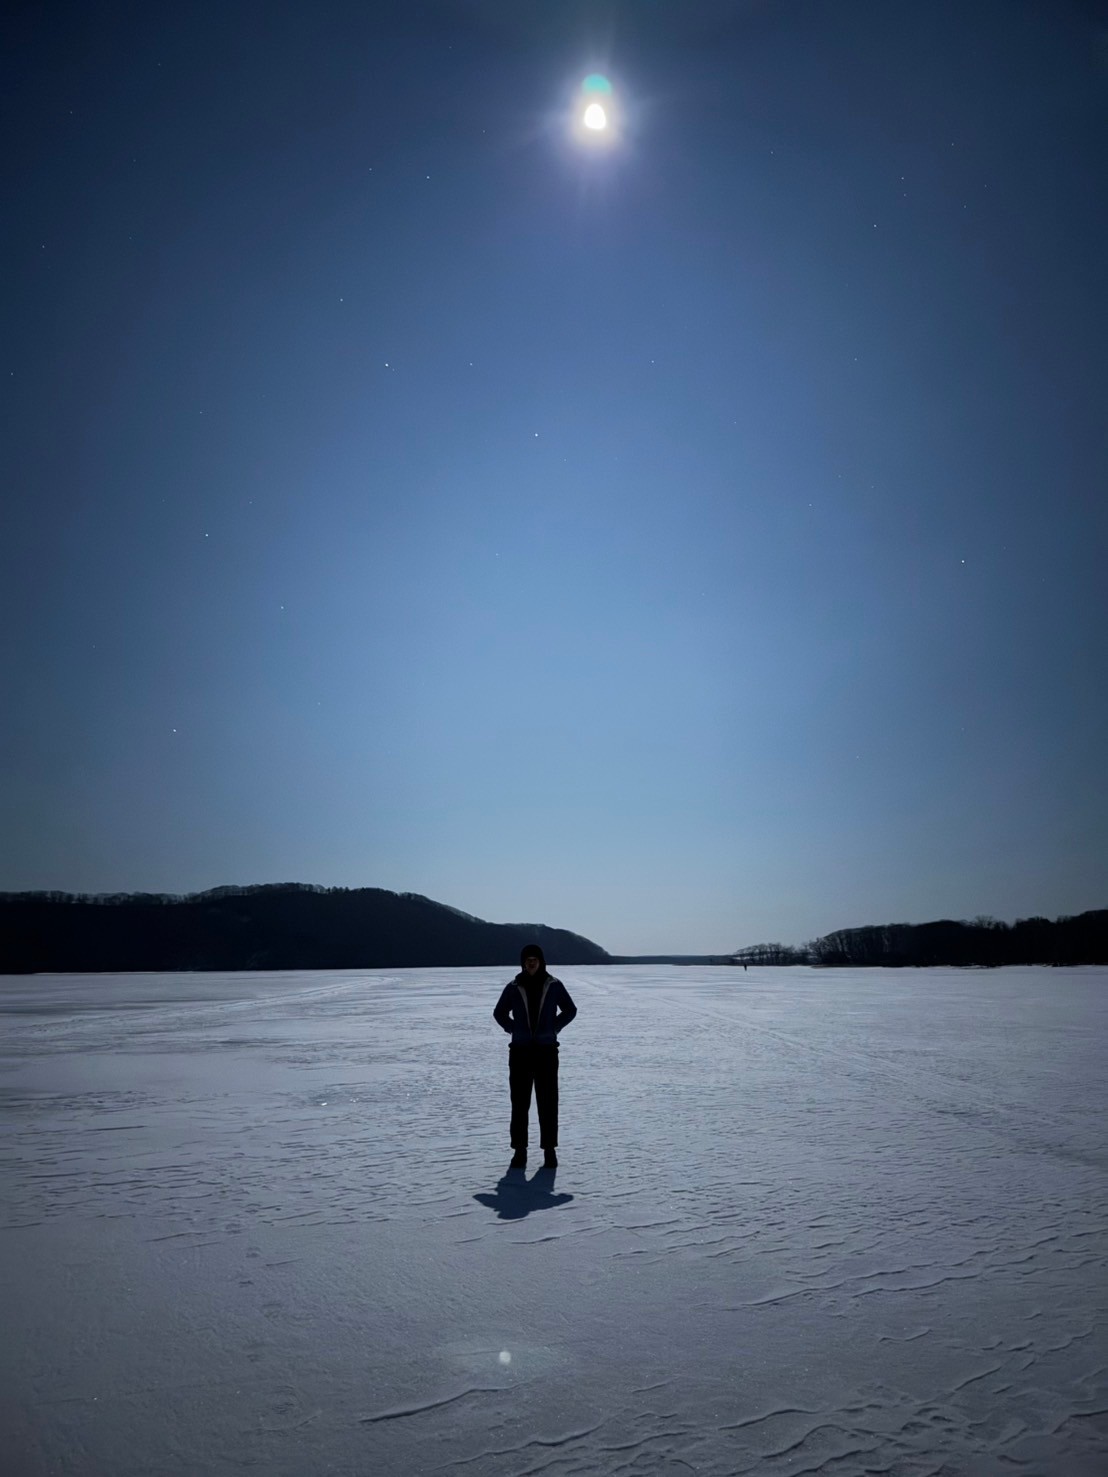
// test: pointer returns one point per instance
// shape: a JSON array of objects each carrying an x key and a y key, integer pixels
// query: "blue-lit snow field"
[{"x": 835, "y": 1222}]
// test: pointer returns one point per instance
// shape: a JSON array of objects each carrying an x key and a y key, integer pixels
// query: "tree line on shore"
[
  {"x": 982, "y": 942},
  {"x": 303, "y": 926}
]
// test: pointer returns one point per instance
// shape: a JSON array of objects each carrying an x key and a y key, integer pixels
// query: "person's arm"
[
  {"x": 502, "y": 1011},
  {"x": 566, "y": 1010}
]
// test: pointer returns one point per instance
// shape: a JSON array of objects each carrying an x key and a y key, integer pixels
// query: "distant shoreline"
[{"x": 300, "y": 926}]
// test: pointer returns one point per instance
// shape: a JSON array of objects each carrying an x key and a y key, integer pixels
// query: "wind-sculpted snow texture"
[{"x": 804, "y": 1222}]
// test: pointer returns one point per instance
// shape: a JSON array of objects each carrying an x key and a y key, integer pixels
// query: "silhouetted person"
[{"x": 533, "y": 1008}]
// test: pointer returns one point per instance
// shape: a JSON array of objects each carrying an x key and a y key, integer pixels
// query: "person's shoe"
[
  {"x": 550, "y": 1160},
  {"x": 519, "y": 1159}
]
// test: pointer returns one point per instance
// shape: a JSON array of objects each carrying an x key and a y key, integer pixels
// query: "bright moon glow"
[{"x": 595, "y": 119}]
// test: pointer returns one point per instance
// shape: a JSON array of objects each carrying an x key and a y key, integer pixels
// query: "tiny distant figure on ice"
[{"x": 533, "y": 1008}]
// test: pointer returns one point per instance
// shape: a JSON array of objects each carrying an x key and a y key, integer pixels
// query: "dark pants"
[{"x": 531, "y": 1064}]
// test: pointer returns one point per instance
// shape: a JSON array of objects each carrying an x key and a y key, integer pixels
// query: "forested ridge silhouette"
[{"x": 270, "y": 926}]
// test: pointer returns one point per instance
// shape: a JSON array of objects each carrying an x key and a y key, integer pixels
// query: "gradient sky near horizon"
[{"x": 690, "y": 542}]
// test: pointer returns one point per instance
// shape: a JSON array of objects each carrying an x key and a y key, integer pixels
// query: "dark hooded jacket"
[{"x": 534, "y": 1009}]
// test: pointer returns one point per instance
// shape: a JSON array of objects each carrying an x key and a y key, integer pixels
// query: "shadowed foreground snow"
[{"x": 804, "y": 1222}]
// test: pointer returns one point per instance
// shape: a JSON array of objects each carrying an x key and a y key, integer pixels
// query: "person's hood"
[{"x": 523, "y": 954}]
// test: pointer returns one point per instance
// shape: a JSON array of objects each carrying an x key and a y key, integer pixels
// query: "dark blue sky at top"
[{"x": 687, "y": 543}]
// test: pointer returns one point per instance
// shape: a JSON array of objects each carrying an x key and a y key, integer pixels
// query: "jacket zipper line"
[{"x": 527, "y": 1008}]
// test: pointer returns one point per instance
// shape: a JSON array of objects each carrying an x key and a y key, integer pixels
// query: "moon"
[{"x": 596, "y": 115}]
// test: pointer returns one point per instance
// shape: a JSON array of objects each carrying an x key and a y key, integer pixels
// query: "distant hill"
[{"x": 274, "y": 926}]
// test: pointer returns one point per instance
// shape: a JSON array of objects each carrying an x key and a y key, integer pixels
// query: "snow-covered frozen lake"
[{"x": 840, "y": 1222}]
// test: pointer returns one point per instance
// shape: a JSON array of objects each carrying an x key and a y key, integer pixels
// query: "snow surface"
[{"x": 834, "y": 1222}]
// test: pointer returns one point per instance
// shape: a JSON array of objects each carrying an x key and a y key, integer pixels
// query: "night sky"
[{"x": 692, "y": 538}]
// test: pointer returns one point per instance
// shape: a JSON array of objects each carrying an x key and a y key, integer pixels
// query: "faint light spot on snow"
[{"x": 505, "y": 1357}]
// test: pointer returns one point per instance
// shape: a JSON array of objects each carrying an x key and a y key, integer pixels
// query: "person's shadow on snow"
[{"x": 517, "y": 1196}]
